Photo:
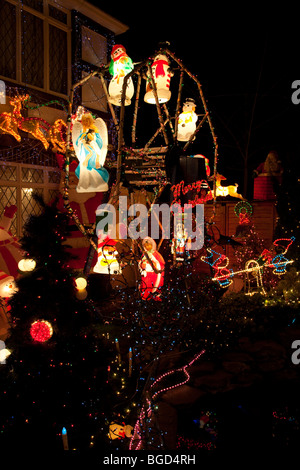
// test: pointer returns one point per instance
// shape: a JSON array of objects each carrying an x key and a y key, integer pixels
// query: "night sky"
[{"x": 246, "y": 59}]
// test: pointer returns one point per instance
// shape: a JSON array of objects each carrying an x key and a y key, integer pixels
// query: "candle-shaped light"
[
  {"x": 65, "y": 438},
  {"x": 130, "y": 362}
]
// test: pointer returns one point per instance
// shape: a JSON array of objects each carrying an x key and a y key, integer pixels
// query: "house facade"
[{"x": 45, "y": 47}]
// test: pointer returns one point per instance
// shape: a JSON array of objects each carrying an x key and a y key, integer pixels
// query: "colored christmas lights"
[{"x": 41, "y": 331}]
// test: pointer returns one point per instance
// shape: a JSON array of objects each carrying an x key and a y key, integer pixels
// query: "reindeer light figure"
[
  {"x": 12, "y": 122},
  {"x": 230, "y": 190}
]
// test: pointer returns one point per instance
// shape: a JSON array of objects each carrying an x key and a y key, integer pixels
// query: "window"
[
  {"x": 32, "y": 50},
  {"x": 8, "y": 42},
  {"x": 35, "y": 45},
  {"x": 58, "y": 73},
  {"x": 17, "y": 184},
  {"x": 94, "y": 52}
]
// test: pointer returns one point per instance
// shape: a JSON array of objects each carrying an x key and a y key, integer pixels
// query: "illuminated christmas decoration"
[
  {"x": 57, "y": 136},
  {"x": 64, "y": 436},
  {"x": 222, "y": 273},
  {"x": 119, "y": 431},
  {"x": 26, "y": 264},
  {"x": 279, "y": 262},
  {"x": 4, "y": 352},
  {"x": 81, "y": 284},
  {"x": 90, "y": 141},
  {"x": 152, "y": 267},
  {"x": 41, "y": 331},
  {"x": 159, "y": 76},
  {"x": 40, "y": 129},
  {"x": 254, "y": 273},
  {"x": 203, "y": 192},
  {"x": 107, "y": 262},
  {"x": 187, "y": 121},
  {"x": 181, "y": 243},
  {"x": 119, "y": 67},
  {"x": 223, "y": 191},
  {"x": 243, "y": 210},
  {"x": 7, "y": 285},
  {"x": 147, "y": 409},
  {"x": 10, "y": 123}
]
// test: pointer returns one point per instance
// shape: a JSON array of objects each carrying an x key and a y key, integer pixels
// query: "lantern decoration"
[
  {"x": 7, "y": 285},
  {"x": 107, "y": 262},
  {"x": 187, "y": 121},
  {"x": 41, "y": 331},
  {"x": 152, "y": 267},
  {"x": 26, "y": 264},
  {"x": 81, "y": 284},
  {"x": 119, "y": 431},
  {"x": 162, "y": 77},
  {"x": 119, "y": 67},
  {"x": 90, "y": 140}
]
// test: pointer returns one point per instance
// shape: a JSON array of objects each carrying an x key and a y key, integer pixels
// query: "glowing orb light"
[{"x": 41, "y": 331}]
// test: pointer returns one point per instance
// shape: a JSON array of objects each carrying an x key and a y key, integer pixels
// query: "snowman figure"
[
  {"x": 187, "y": 121},
  {"x": 7, "y": 285},
  {"x": 162, "y": 77},
  {"x": 119, "y": 67}
]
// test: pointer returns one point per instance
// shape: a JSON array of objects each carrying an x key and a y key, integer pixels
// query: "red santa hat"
[{"x": 107, "y": 241}]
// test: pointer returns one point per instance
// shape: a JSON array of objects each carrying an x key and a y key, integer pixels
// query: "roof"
[{"x": 94, "y": 13}]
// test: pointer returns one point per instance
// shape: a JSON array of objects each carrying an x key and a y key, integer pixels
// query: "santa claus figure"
[
  {"x": 162, "y": 76},
  {"x": 187, "y": 121},
  {"x": 152, "y": 267},
  {"x": 119, "y": 67}
]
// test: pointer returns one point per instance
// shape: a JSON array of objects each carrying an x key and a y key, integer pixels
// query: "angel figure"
[{"x": 90, "y": 140}]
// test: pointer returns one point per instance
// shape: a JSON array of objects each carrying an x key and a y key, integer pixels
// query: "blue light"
[{"x": 64, "y": 431}]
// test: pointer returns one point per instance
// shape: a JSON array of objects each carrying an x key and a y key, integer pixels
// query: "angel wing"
[
  {"x": 102, "y": 129},
  {"x": 76, "y": 131}
]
